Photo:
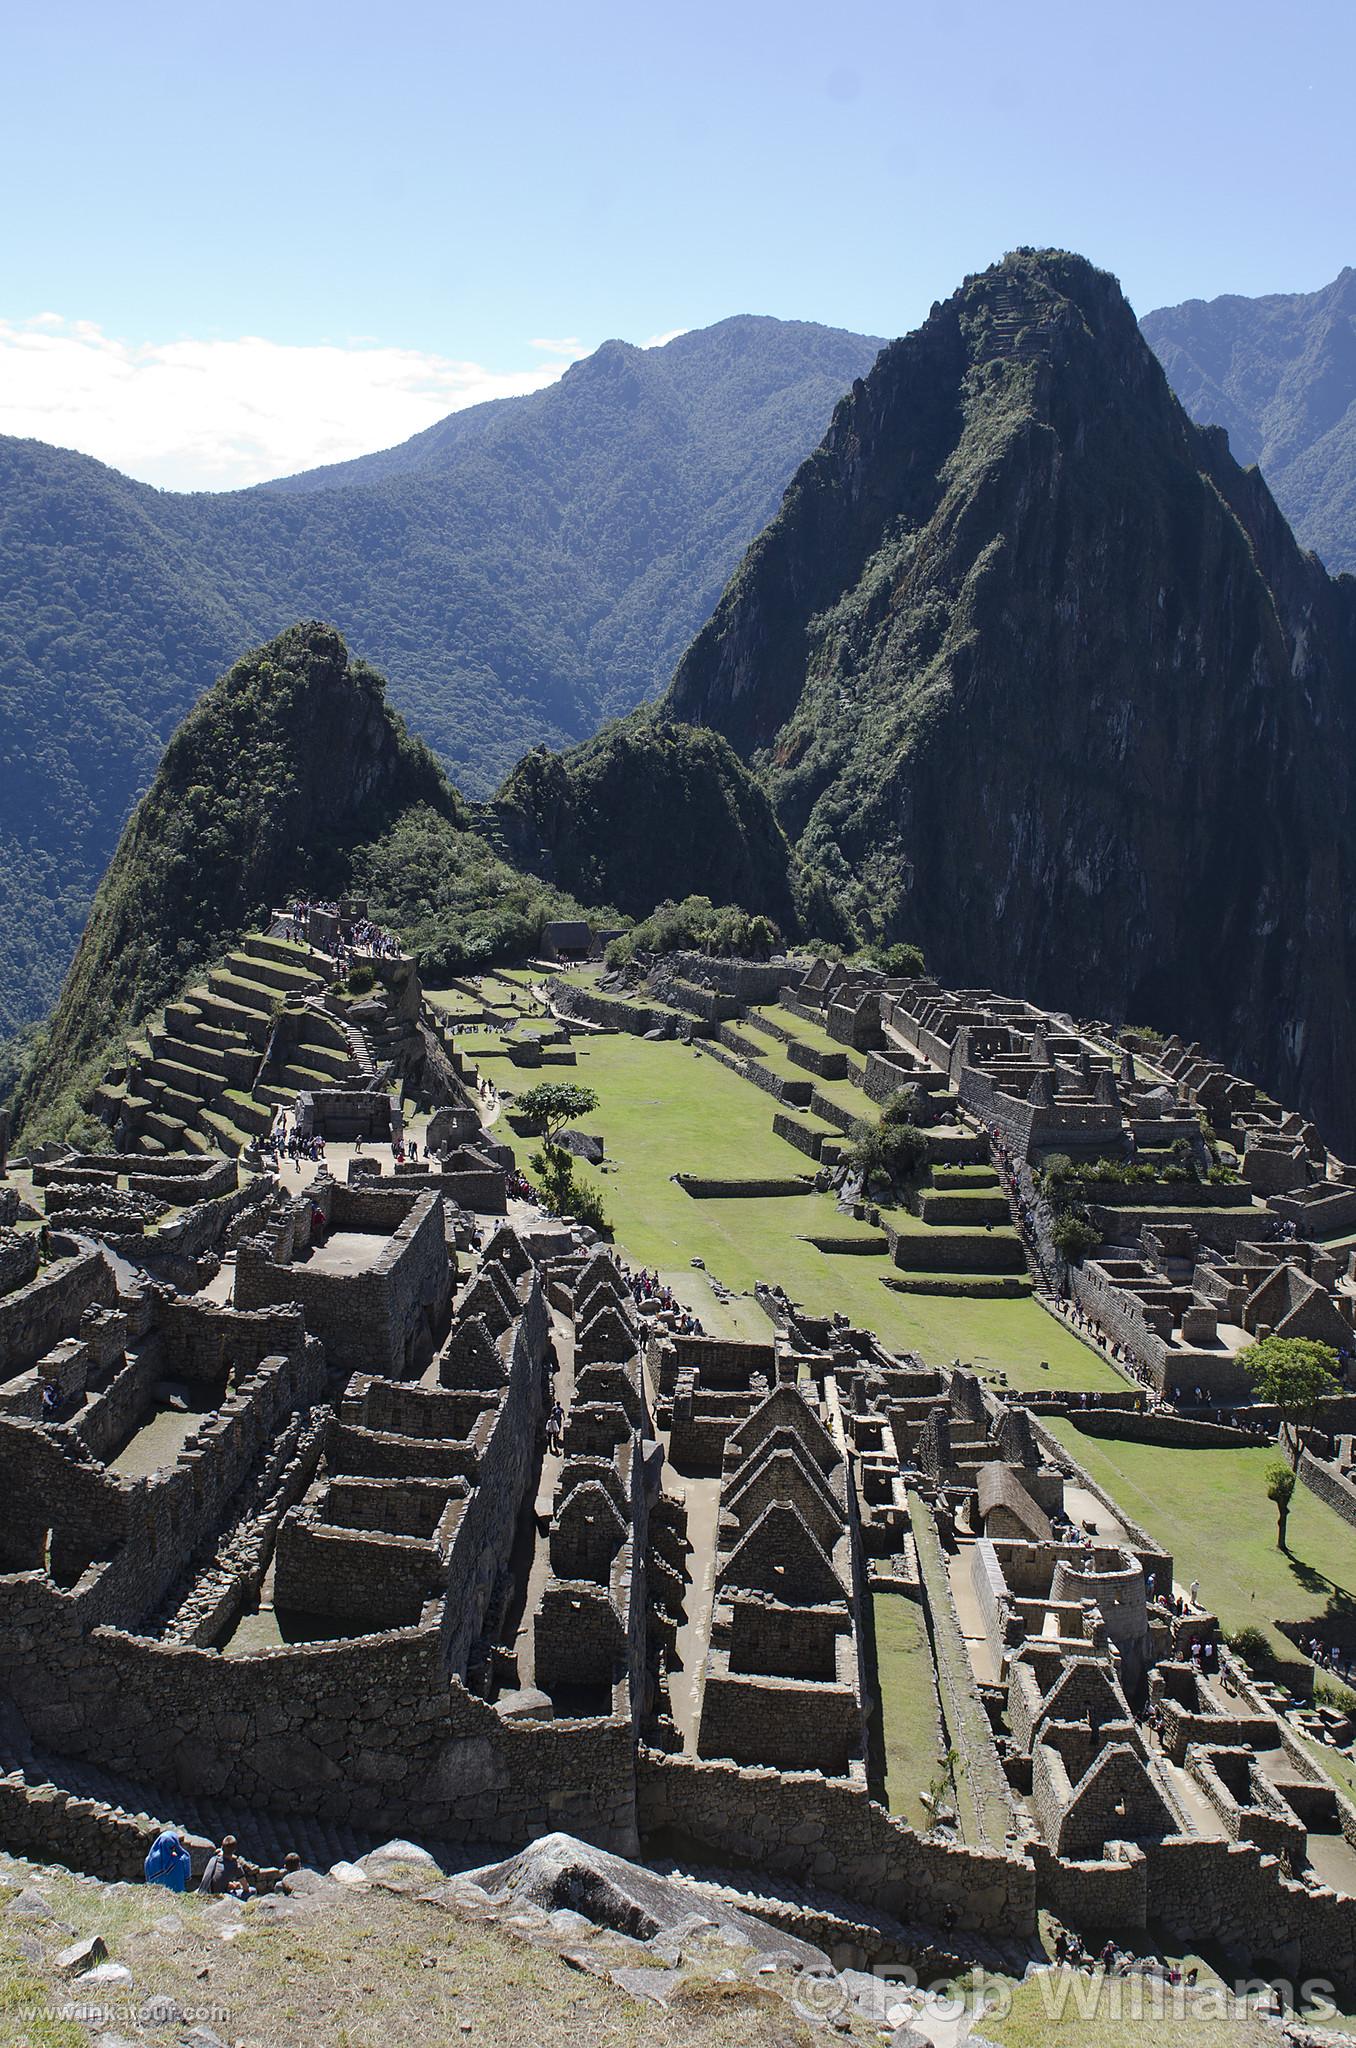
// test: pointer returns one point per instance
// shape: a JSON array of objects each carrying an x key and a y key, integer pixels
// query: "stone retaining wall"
[{"x": 828, "y": 1832}]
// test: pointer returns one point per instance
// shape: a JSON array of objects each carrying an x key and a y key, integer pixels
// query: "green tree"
[
  {"x": 1292, "y": 1374},
  {"x": 554, "y": 1105},
  {"x": 901, "y": 962},
  {"x": 908, "y": 1106},
  {"x": 1074, "y": 1237},
  {"x": 1280, "y": 1491},
  {"x": 891, "y": 1153}
]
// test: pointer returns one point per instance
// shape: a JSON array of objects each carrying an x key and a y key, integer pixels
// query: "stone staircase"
[
  {"x": 1015, "y": 333},
  {"x": 211, "y": 1074}
]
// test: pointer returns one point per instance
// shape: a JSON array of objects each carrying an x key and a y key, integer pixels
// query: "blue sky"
[{"x": 425, "y": 194}]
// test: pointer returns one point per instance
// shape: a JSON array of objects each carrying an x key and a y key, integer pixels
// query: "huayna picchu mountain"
[{"x": 1039, "y": 678}]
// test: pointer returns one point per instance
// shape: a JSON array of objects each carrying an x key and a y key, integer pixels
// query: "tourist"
[
  {"x": 168, "y": 1861},
  {"x": 224, "y": 1872},
  {"x": 555, "y": 1426},
  {"x": 51, "y": 1400}
]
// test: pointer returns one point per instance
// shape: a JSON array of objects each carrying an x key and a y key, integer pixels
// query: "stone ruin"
[{"x": 305, "y": 1558}]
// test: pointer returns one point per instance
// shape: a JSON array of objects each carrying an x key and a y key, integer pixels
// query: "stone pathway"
[{"x": 687, "y": 1676}]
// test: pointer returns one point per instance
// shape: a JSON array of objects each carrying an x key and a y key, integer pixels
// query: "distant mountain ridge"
[
  {"x": 1279, "y": 374},
  {"x": 1039, "y": 679},
  {"x": 521, "y": 571}
]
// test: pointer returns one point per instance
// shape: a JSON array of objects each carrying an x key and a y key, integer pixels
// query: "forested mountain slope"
[
  {"x": 520, "y": 572},
  {"x": 1279, "y": 373}
]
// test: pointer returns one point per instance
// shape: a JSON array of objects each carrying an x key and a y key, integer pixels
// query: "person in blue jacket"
[{"x": 168, "y": 1862}]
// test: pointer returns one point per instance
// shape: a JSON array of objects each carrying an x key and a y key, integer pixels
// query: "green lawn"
[
  {"x": 1209, "y": 1508},
  {"x": 1117, "y": 2012},
  {"x": 909, "y": 1710},
  {"x": 667, "y": 1109},
  {"x": 808, "y": 1034}
]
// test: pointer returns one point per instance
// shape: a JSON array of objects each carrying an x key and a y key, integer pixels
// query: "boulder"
[
  {"x": 583, "y": 1145},
  {"x": 81, "y": 1955},
  {"x": 559, "y": 1872}
]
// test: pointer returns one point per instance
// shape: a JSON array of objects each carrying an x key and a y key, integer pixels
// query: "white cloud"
[
  {"x": 570, "y": 346},
  {"x": 663, "y": 340},
  {"x": 211, "y": 415}
]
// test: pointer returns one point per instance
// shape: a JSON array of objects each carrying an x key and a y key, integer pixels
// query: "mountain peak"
[{"x": 1034, "y": 671}]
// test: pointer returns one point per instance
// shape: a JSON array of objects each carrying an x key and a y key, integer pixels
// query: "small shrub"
[
  {"x": 907, "y": 1106},
  {"x": 563, "y": 1191},
  {"x": 1251, "y": 1645},
  {"x": 362, "y": 977}
]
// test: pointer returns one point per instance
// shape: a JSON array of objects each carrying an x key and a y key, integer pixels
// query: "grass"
[
  {"x": 366, "y": 1968},
  {"x": 665, "y": 1109},
  {"x": 1209, "y": 1508},
  {"x": 909, "y": 1710},
  {"x": 808, "y": 1034},
  {"x": 1100, "y": 2012}
]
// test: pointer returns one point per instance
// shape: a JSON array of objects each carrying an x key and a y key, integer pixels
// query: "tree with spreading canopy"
[{"x": 1293, "y": 1374}]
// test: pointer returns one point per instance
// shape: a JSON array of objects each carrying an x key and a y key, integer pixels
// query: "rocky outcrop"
[
  {"x": 649, "y": 809},
  {"x": 1039, "y": 678}
]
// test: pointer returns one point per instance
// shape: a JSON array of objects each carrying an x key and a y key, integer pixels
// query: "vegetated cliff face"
[
  {"x": 1040, "y": 679},
  {"x": 647, "y": 810},
  {"x": 291, "y": 762},
  {"x": 1278, "y": 372}
]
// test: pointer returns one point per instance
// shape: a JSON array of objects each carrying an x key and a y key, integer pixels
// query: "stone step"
[
  {"x": 275, "y": 1094},
  {"x": 168, "y": 1130},
  {"x": 226, "y": 1136},
  {"x": 299, "y": 1077},
  {"x": 204, "y": 1060},
  {"x": 255, "y": 997},
  {"x": 246, "y": 1113},
  {"x": 237, "y": 1005},
  {"x": 333, "y": 1060},
  {"x": 282, "y": 952},
  {"x": 192, "y": 1025},
  {"x": 292, "y": 981},
  {"x": 186, "y": 1081}
]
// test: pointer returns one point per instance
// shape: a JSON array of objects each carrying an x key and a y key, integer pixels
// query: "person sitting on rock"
[
  {"x": 168, "y": 1861},
  {"x": 224, "y": 1872}
]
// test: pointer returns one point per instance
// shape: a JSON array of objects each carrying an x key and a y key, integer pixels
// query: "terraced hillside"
[{"x": 213, "y": 1070}]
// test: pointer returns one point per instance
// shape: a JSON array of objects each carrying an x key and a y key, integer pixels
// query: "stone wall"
[
  {"x": 384, "y": 1316},
  {"x": 1331, "y": 1484},
  {"x": 748, "y": 981},
  {"x": 703, "y": 1188},
  {"x": 827, "y": 1832},
  {"x": 35, "y": 1317}
]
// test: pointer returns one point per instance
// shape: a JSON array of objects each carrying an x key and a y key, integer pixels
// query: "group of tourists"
[
  {"x": 363, "y": 938},
  {"x": 225, "y": 1874},
  {"x": 285, "y": 1142},
  {"x": 648, "y": 1287},
  {"x": 1331, "y": 1657},
  {"x": 1117, "y": 1962}
]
